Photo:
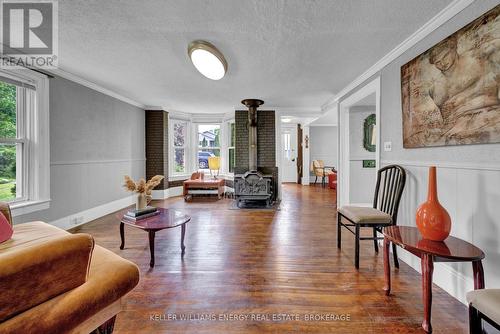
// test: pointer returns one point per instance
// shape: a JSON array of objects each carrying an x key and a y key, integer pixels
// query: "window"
[
  {"x": 24, "y": 141},
  {"x": 231, "y": 147},
  {"x": 12, "y": 142},
  {"x": 287, "y": 146},
  {"x": 208, "y": 144},
  {"x": 180, "y": 136}
]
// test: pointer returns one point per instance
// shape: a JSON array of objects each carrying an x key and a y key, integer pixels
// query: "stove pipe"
[{"x": 252, "y": 105}]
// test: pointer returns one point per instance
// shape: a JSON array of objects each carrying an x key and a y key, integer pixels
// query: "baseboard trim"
[
  {"x": 159, "y": 194},
  {"x": 167, "y": 193},
  {"x": 175, "y": 191},
  {"x": 447, "y": 278},
  {"x": 91, "y": 214},
  {"x": 86, "y": 216}
]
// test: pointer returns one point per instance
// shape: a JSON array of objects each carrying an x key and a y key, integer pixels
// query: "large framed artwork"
[{"x": 450, "y": 93}]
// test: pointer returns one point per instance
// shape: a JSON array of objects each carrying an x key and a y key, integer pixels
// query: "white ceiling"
[{"x": 290, "y": 53}]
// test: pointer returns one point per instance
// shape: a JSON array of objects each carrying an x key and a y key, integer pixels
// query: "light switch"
[{"x": 387, "y": 146}]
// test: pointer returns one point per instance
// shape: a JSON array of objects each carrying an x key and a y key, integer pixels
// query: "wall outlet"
[{"x": 387, "y": 146}]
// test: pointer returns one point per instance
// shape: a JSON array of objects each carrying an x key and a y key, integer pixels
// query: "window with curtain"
[{"x": 180, "y": 138}]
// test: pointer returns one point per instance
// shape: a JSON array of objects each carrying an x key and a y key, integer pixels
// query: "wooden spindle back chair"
[{"x": 389, "y": 188}]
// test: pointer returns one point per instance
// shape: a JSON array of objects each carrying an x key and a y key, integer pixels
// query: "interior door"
[{"x": 289, "y": 153}]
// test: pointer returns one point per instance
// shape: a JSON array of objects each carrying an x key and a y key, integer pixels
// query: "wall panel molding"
[
  {"x": 452, "y": 165},
  {"x": 470, "y": 195},
  {"x": 94, "y": 162}
]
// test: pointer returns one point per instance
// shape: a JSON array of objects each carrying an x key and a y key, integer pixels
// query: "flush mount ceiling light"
[{"x": 207, "y": 59}]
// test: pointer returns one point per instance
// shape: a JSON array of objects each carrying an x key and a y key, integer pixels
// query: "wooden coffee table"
[
  {"x": 167, "y": 218},
  {"x": 450, "y": 250}
]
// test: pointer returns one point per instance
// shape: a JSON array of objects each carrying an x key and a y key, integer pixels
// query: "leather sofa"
[{"x": 52, "y": 281}]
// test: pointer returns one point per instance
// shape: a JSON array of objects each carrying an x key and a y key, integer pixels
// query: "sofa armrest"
[
  {"x": 33, "y": 274},
  {"x": 110, "y": 279}
]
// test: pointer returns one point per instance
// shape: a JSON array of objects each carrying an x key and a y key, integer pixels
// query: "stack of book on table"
[{"x": 138, "y": 214}]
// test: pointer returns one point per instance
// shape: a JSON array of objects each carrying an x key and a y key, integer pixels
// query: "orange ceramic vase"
[{"x": 433, "y": 221}]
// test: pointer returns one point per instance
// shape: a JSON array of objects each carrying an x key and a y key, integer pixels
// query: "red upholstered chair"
[{"x": 320, "y": 170}]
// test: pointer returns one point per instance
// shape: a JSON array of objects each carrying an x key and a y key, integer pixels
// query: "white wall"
[
  {"x": 361, "y": 180},
  {"x": 306, "y": 155},
  {"x": 323, "y": 145},
  {"x": 468, "y": 175},
  {"x": 94, "y": 141}
]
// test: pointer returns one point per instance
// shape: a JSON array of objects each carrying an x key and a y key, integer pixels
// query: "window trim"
[
  {"x": 36, "y": 150},
  {"x": 229, "y": 147}
]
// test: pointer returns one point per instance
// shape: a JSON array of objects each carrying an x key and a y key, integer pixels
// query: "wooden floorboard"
[{"x": 258, "y": 262}]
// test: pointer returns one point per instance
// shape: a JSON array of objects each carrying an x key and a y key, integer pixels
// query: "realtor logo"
[{"x": 29, "y": 33}]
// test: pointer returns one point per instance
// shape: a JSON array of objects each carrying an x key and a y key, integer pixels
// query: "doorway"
[
  {"x": 289, "y": 153},
  {"x": 362, "y": 156},
  {"x": 359, "y": 145}
]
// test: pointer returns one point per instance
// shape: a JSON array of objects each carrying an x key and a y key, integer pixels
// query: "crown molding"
[
  {"x": 434, "y": 23},
  {"x": 155, "y": 108},
  {"x": 207, "y": 118},
  {"x": 175, "y": 114},
  {"x": 229, "y": 116},
  {"x": 293, "y": 111},
  {"x": 84, "y": 82},
  {"x": 324, "y": 124}
]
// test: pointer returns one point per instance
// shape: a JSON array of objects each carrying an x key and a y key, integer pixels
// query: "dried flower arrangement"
[{"x": 141, "y": 186}]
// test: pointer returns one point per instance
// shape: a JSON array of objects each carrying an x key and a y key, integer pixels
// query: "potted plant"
[{"x": 143, "y": 189}]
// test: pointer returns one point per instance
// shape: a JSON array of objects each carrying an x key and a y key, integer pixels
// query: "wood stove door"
[{"x": 289, "y": 152}]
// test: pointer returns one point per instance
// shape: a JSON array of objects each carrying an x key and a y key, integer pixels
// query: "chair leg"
[
  {"x": 356, "y": 250},
  {"x": 339, "y": 230},
  {"x": 375, "y": 241},
  {"x": 395, "y": 255},
  {"x": 474, "y": 321}
]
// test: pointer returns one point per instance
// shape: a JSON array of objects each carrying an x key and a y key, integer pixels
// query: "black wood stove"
[{"x": 253, "y": 187}]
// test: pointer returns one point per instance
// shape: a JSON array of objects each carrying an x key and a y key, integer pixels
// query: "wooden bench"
[{"x": 198, "y": 185}]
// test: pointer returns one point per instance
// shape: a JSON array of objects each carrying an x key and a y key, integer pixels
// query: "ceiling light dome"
[{"x": 207, "y": 59}]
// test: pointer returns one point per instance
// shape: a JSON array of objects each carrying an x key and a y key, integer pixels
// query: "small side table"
[
  {"x": 164, "y": 220},
  {"x": 450, "y": 250}
]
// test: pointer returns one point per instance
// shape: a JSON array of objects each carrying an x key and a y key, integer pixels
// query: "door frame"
[{"x": 343, "y": 135}]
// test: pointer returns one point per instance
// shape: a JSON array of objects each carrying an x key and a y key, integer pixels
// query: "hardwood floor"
[{"x": 259, "y": 262}]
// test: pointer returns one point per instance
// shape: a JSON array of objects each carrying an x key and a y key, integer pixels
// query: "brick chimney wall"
[
  {"x": 157, "y": 146},
  {"x": 266, "y": 140}
]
